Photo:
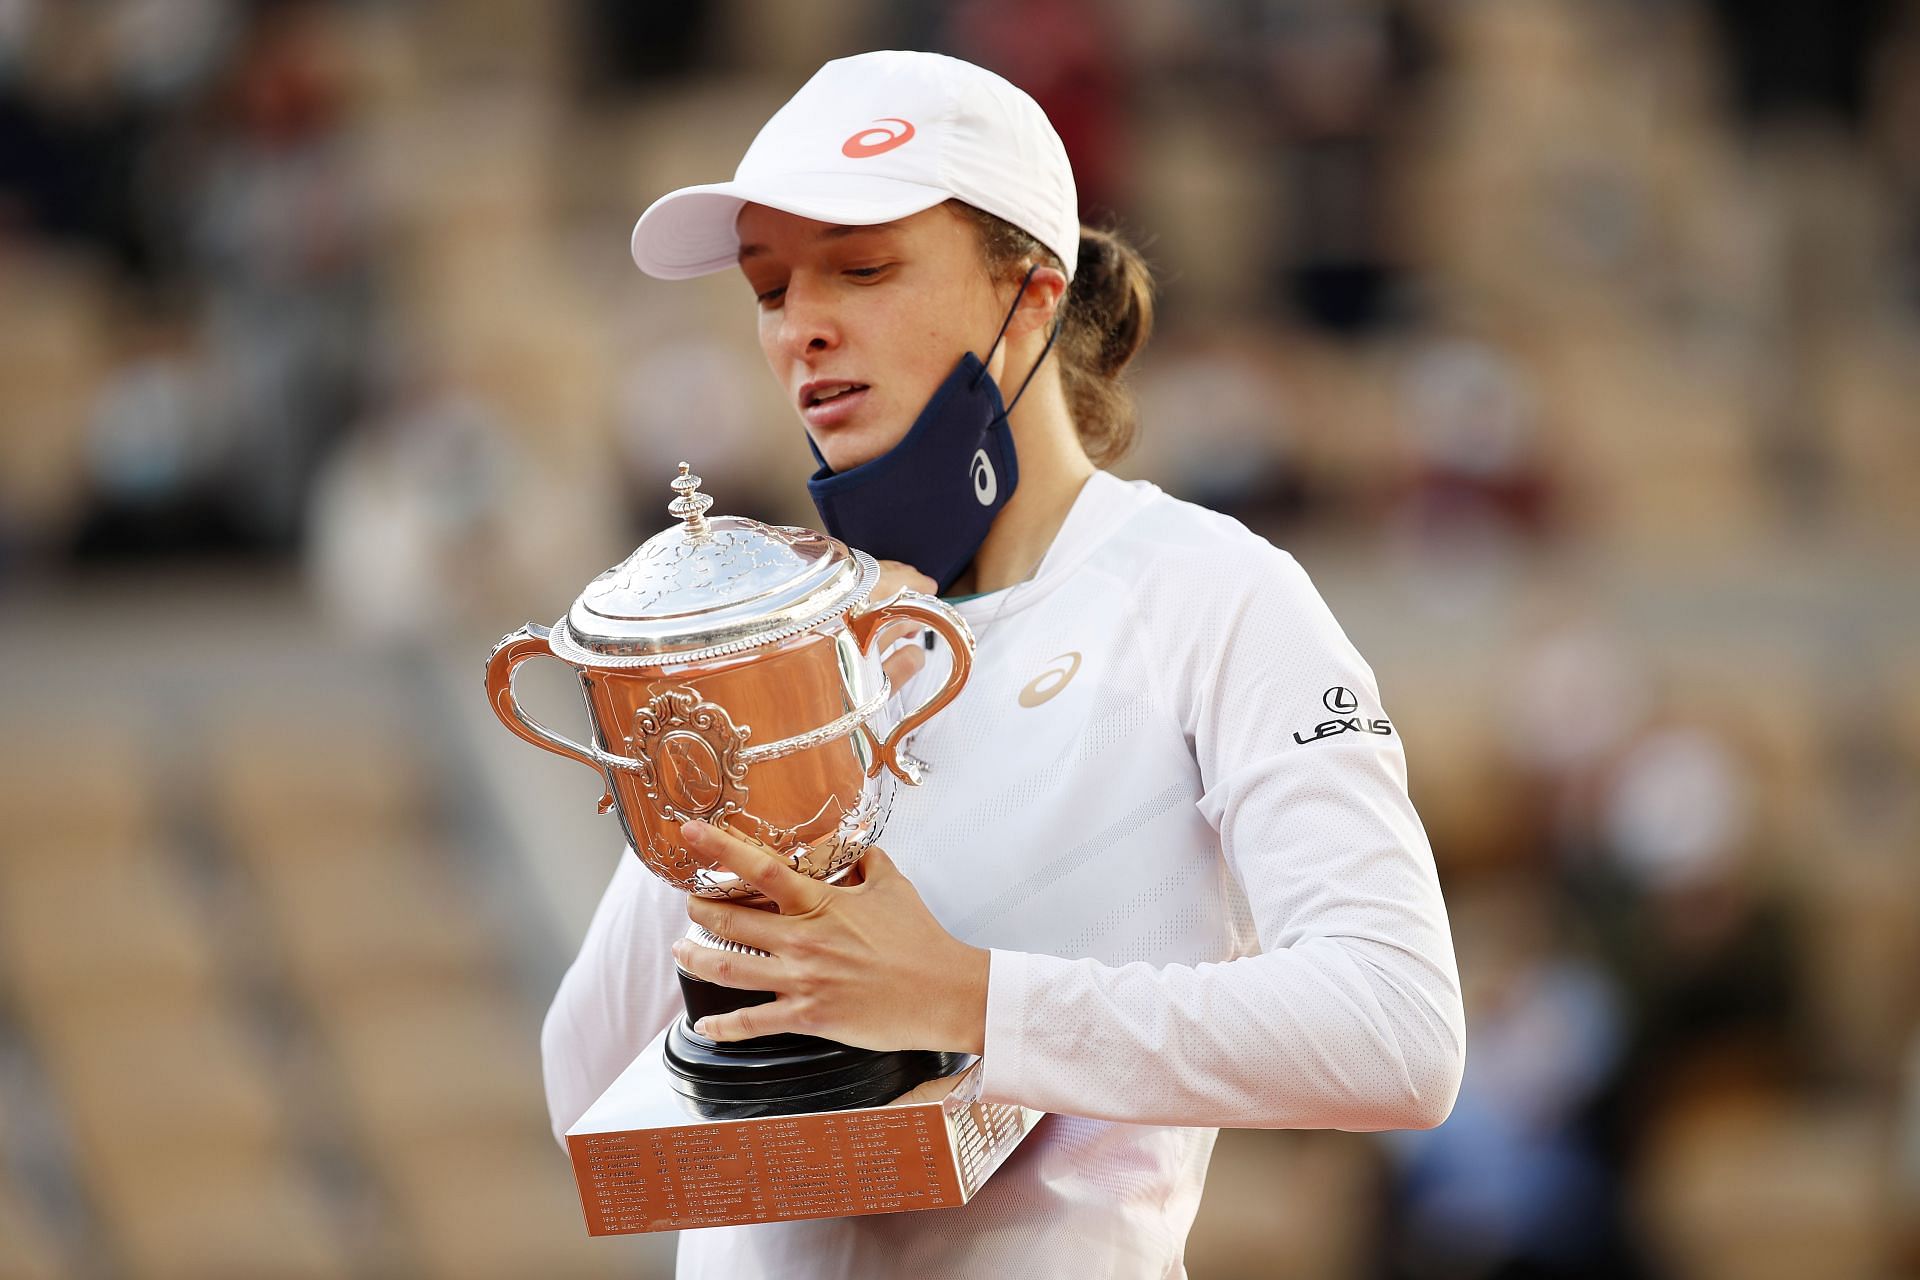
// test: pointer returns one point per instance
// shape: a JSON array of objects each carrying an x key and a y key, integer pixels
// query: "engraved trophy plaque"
[{"x": 730, "y": 674}]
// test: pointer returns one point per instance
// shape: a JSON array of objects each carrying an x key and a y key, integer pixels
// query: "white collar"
[{"x": 1104, "y": 502}]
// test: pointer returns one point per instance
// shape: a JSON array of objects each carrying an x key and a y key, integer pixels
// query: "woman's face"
[{"x": 861, "y": 324}]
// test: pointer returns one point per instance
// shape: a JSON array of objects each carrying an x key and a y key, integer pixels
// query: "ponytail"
[{"x": 1105, "y": 320}]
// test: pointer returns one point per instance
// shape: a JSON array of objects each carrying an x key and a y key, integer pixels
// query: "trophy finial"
[{"x": 690, "y": 504}]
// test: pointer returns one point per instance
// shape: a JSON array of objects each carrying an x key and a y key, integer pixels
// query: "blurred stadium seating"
[{"x": 1572, "y": 345}]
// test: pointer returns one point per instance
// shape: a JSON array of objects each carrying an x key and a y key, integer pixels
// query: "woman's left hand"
[{"x": 865, "y": 964}]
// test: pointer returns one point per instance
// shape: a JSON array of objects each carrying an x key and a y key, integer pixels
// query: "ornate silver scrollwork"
[
  {"x": 827, "y": 732},
  {"x": 689, "y": 757}
]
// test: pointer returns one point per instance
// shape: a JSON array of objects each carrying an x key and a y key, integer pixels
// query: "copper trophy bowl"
[{"x": 730, "y": 675}]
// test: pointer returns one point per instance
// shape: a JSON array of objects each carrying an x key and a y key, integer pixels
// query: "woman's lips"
[{"x": 836, "y": 411}]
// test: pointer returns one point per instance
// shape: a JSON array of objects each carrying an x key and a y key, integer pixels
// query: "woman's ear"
[{"x": 1040, "y": 306}]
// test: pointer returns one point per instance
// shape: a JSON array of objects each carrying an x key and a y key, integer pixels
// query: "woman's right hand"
[{"x": 906, "y": 662}]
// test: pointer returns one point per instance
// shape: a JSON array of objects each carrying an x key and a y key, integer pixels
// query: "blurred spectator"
[
  {"x": 688, "y": 401},
  {"x": 1334, "y": 78},
  {"x": 165, "y": 49},
  {"x": 1473, "y": 431},
  {"x": 433, "y": 517},
  {"x": 91, "y": 96},
  {"x": 1799, "y": 75},
  {"x": 632, "y": 46},
  {"x": 1067, "y": 55},
  {"x": 1678, "y": 811},
  {"x": 411, "y": 517},
  {"x": 1789, "y": 57},
  {"x": 1688, "y": 955},
  {"x": 68, "y": 135},
  {"x": 154, "y": 447},
  {"x": 1577, "y": 680},
  {"x": 1705, "y": 948},
  {"x": 1906, "y": 1161},
  {"x": 1574, "y": 698},
  {"x": 285, "y": 233},
  {"x": 1896, "y": 126},
  {"x": 1476, "y": 490},
  {"x": 1216, "y": 426},
  {"x": 1514, "y": 1184}
]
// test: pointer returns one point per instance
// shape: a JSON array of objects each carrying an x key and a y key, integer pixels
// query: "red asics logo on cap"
[{"x": 877, "y": 140}]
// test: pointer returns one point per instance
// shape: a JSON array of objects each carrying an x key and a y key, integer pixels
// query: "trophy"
[{"x": 730, "y": 674}]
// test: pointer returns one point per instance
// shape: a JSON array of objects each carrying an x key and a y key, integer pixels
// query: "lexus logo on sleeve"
[{"x": 1341, "y": 701}]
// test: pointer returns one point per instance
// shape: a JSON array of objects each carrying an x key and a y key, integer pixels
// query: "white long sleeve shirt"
[{"x": 1171, "y": 804}]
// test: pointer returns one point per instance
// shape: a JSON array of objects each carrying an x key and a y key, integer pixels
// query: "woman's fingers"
[
  {"x": 897, "y": 576},
  {"x": 727, "y": 968},
  {"x": 894, "y": 632},
  {"x": 868, "y": 965},
  {"x": 933, "y": 1090},
  {"x": 906, "y": 661},
  {"x": 748, "y": 926},
  {"x": 786, "y": 888},
  {"x": 744, "y": 1024}
]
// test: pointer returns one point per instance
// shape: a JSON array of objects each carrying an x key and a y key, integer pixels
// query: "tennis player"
[{"x": 1163, "y": 872}]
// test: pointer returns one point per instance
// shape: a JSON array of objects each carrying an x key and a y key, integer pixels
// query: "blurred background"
[{"x": 1573, "y": 346}]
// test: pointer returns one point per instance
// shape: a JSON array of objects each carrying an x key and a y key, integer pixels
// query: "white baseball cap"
[{"x": 872, "y": 138}]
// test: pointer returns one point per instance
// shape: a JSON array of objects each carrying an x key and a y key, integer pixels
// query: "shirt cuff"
[{"x": 1001, "y": 1065}]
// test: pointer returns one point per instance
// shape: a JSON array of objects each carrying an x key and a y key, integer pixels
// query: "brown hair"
[{"x": 1106, "y": 317}]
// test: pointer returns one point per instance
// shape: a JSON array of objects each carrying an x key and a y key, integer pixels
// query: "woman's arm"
[
  {"x": 1350, "y": 1016},
  {"x": 616, "y": 996}
]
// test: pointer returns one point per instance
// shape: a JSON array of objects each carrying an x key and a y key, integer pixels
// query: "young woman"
[{"x": 1162, "y": 872}]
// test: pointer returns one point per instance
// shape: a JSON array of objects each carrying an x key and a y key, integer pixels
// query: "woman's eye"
[
  {"x": 865, "y": 273},
  {"x": 771, "y": 296}
]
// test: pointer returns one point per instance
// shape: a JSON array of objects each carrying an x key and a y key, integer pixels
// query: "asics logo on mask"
[{"x": 985, "y": 485}]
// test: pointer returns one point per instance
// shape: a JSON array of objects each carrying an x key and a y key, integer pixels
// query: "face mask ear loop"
[
  {"x": 1057, "y": 325},
  {"x": 988, "y": 358}
]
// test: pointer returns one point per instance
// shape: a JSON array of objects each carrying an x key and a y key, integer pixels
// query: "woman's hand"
[
  {"x": 905, "y": 664},
  {"x": 866, "y": 964}
]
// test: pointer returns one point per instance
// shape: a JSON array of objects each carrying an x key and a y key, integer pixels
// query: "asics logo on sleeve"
[
  {"x": 876, "y": 140},
  {"x": 1050, "y": 682}
]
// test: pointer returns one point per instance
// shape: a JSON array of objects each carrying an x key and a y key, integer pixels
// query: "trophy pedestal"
[
  {"x": 781, "y": 1074},
  {"x": 648, "y": 1158}
]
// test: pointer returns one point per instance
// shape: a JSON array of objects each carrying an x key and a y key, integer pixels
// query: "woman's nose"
[{"x": 807, "y": 323}]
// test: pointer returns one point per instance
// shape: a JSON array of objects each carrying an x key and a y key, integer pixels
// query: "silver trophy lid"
[{"x": 710, "y": 586}]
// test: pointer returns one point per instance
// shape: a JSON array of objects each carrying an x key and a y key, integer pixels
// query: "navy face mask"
[{"x": 930, "y": 499}]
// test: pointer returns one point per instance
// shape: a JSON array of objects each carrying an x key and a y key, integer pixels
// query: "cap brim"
[{"x": 690, "y": 232}]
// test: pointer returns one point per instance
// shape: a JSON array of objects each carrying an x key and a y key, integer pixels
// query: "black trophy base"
[{"x": 784, "y": 1074}]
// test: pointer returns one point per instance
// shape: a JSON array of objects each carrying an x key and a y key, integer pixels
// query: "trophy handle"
[
  {"x": 515, "y": 648},
  {"x": 959, "y": 637}
]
